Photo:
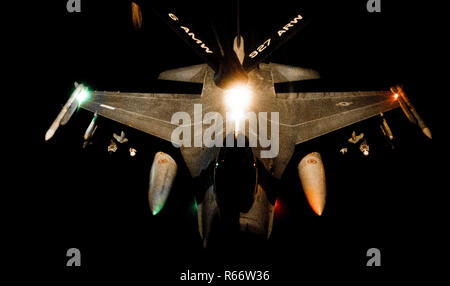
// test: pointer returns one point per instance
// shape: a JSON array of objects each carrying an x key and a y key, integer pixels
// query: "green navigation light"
[{"x": 83, "y": 95}]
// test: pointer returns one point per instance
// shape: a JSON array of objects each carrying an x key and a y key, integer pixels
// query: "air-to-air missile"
[
  {"x": 162, "y": 176},
  {"x": 387, "y": 132},
  {"x": 78, "y": 96},
  {"x": 312, "y": 176},
  {"x": 90, "y": 130},
  {"x": 410, "y": 110}
]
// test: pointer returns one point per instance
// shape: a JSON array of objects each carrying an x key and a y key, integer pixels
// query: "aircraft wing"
[
  {"x": 305, "y": 115},
  {"x": 148, "y": 112},
  {"x": 309, "y": 115}
]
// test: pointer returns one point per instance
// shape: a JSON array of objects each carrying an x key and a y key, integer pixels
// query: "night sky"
[{"x": 97, "y": 202}]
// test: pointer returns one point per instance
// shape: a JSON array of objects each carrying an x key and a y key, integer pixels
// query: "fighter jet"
[{"x": 236, "y": 186}]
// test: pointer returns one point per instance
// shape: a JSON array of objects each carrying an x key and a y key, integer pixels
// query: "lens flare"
[
  {"x": 82, "y": 95},
  {"x": 396, "y": 96},
  {"x": 237, "y": 100}
]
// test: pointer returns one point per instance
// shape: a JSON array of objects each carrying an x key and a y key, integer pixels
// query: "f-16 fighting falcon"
[{"x": 237, "y": 87}]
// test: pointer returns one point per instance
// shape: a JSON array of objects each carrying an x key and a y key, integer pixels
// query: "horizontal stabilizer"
[
  {"x": 194, "y": 73},
  {"x": 285, "y": 73}
]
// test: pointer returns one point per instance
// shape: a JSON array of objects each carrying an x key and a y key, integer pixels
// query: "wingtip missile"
[
  {"x": 51, "y": 131},
  {"x": 79, "y": 94},
  {"x": 410, "y": 111}
]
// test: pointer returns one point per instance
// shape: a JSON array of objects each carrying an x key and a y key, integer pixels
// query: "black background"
[{"x": 97, "y": 202}]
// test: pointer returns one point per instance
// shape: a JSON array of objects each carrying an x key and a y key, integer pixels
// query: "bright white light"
[
  {"x": 82, "y": 95},
  {"x": 237, "y": 100}
]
